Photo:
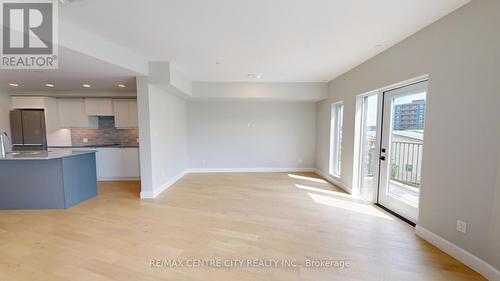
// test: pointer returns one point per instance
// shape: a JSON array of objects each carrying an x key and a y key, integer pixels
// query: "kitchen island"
[{"x": 47, "y": 179}]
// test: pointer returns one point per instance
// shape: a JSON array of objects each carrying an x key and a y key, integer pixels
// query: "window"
[{"x": 337, "y": 122}]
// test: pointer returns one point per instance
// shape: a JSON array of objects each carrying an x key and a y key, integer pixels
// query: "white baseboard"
[
  {"x": 249, "y": 170},
  {"x": 118, "y": 179},
  {"x": 334, "y": 181},
  {"x": 469, "y": 259},
  {"x": 153, "y": 194},
  {"x": 147, "y": 195}
]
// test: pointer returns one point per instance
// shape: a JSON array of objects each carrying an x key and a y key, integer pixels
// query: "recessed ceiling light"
[
  {"x": 49, "y": 85},
  {"x": 13, "y": 84},
  {"x": 86, "y": 85},
  {"x": 120, "y": 85},
  {"x": 254, "y": 76}
]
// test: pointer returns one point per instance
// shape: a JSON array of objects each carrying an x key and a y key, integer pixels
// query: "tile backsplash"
[{"x": 106, "y": 134}]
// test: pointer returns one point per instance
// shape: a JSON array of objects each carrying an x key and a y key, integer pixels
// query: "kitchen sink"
[{"x": 27, "y": 153}]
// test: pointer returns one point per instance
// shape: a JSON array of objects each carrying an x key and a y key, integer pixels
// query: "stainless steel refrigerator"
[{"x": 28, "y": 129}]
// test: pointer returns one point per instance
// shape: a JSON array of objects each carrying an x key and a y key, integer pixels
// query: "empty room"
[{"x": 262, "y": 140}]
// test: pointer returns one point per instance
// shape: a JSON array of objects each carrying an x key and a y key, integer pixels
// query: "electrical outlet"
[
  {"x": 85, "y": 140},
  {"x": 461, "y": 226},
  {"x": 300, "y": 160},
  {"x": 204, "y": 161}
]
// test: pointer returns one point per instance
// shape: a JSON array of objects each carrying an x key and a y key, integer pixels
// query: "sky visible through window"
[
  {"x": 371, "y": 111},
  {"x": 410, "y": 99}
]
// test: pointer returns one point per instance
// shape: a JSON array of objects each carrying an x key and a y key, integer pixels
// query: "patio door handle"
[{"x": 382, "y": 154}]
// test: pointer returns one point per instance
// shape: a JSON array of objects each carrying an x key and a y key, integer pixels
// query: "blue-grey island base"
[{"x": 47, "y": 179}]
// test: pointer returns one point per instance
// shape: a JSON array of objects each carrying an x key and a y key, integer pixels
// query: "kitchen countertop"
[
  {"x": 98, "y": 146},
  {"x": 43, "y": 155}
]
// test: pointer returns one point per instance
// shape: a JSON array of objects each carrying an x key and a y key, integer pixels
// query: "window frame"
[{"x": 336, "y": 135}]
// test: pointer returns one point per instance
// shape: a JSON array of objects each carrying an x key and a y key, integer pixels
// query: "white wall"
[
  {"x": 145, "y": 149},
  {"x": 75, "y": 38},
  {"x": 461, "y": 151},
  {"x": 260, "y": 91},
  {"x": 163, "y": 144},
  {"x": 180, "y": 81},
  {"x": 249, "y": 134},
  {"x": 168, "y": 125}
]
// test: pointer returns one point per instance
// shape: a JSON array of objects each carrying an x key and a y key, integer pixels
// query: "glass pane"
[
  {"x": 340, "y": 118},
  {"x": 336, "y": 138},
  {"x": 369, "y": 159},
  {"x": 407, "y": 134}
]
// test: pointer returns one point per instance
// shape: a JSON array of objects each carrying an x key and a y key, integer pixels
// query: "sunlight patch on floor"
[
  {"x": 365, "y": 209},
  {"x": 326, "y": 191},
  {"x": 307, "y": 178}
]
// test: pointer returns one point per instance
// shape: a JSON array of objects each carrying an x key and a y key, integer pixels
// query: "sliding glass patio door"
[{"x": 402, "y": 148}]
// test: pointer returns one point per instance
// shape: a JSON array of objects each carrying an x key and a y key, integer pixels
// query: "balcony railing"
[{"x": 406, "y": 162}]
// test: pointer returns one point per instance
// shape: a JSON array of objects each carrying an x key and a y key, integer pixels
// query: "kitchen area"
[
  {"x": 75, "y": 140},
  {"x": 107, "y": 125}
]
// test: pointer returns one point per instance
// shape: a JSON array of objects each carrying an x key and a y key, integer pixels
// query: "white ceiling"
[
  {"x": 282, "y": 40},
  {"x": 74, "y": 70}
]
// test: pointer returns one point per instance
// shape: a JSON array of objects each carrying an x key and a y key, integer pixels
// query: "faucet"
[{"x": 3, "y": 151}]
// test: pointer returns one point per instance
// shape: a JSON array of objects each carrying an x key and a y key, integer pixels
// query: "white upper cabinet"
[
  {"x": 125, "y": 113},
  {"x": 82, "y": 112},
  {"x": 133, "y": 115},
  {"x": 121, "y": 113},
  {"x": 28, "y": 102},
  {"x": 99, "y": 107},
  {"x": 72, "y": 114}
]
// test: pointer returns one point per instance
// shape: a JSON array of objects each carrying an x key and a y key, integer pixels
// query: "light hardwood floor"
[{"x": 224, "y": 217}]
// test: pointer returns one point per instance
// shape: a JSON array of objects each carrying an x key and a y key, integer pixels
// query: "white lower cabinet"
[
  {"x": 114, "y": 163},
  {"x": 117, "y": 163}
]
